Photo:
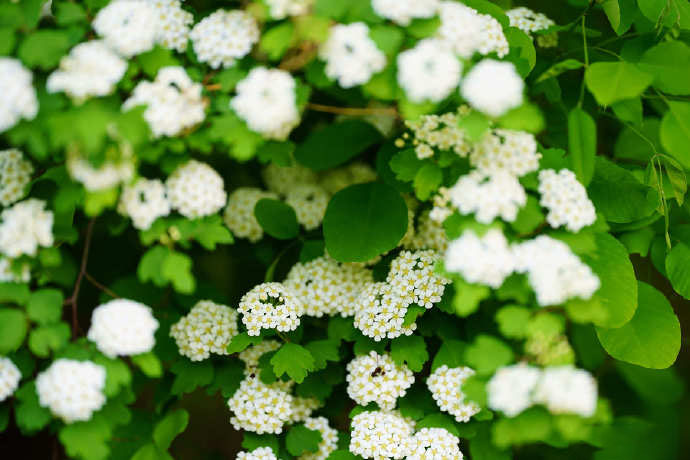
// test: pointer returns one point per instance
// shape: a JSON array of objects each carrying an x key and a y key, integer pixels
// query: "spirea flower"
[
  {"x": 280, "y": 9},
  {"x": 127, "y": 26},
  {"x": 107, "y": 175},
  {"x": 434, "y": 444},
  {"x": 566, "y": 390},
  {"x": 72, "y": 390},
  {"x": 9, "y": 378},
  {"x": 207, "y": 328},
  {"x": 484, "y": 260},
  {"x": 351, "y": 56},
  {"x": 412, "y": 276},
  {"x": 439, "y": 132},
  {"x": 553, "y": 271},
  {"x": 381, "y": 435},
  {"x": 18, "y": 94},
  {"x": 15, "y": 175},
  {"x": 327, "y": 287},
  {"x": 223, "y": 37},
  {"x": 429, "y": 234},
  {"x": 489, "y": 196},
  {"x": 11, "y": 274},
  {"x": 309, "y": 202},
  {"x": 429, "y": 71},
  {"x": 281, "y": 179},
  {"x": 144, "y": 202},
  {"x": 260, "y": 408},
  {"x": 461, "y": 28},
  {"x": 239, "y": 214},
  {"x": 511, "y": 389},
  {"x": 402, "y": 12},
  {"x": 329, "y": 439},
  {"x": 527, "y": 20},
  {"x": 173, "y": 102},
  {"x": 380, "y": 312},
  {"x": 506, "y": 150},
  {"x": 173, "y": 24},
  {"x": 445, "y": 385},
  {"x": 493, "y": 87},
  {"x": 270, "y": 306},
  {"x": 302, "y": 408},
  {"x": 377, "y": 378},
  {"x": 122, "y": 327},
  {"x": 260, "y": 453},
  {"x": 566, "y": 199},
  {"x": 195, "y": 190},
  {"x": 90, "y": 69},
  {"x": 24, "y": 227},
  {"x": 337, "y": 179},
  {"x": 266, "y": 101}
]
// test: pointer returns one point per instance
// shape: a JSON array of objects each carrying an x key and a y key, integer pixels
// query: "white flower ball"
[
  {"x": 309, "y": 202},
  {"x": 127, "y": 26},
  {"x": 566, "y": 199},
  {"x": 434, "y": 444},
  {"x": 511, "y": 389},
  {"x": 566, "y": 390},
  {"x": 281, "y": 179},
  {"x": 506, "y": 150},
  {"x": 445, "y": 385},
  {"x": 270, "y": 306},
  {"x": 223, "y": 37},
  {"x": 123, "y": 327},
  {"x": 377, "y": 378},
  {"x": 489, "y": 196},
  {"x": 195, "y": 190},
  {"x": 429, "y": 71},
  {"x": 380, "y": 312},
  {"x": 18, "y": 94},
  {"x": 15, "y": 175},
  {"x": 260, "y": 453},
  {"x": 402, "y": 12},
  {"x": 239, "y": 214},
  {"x": 10, "y": 274},
  {"x": 381, "y": 435},
  {"x": 329, "y": 439},
  {"x": 493, "y": 87},
  {"x": 260, "y": 408},
  {"x": 280, "y": 9},
  {"x": 9, "y": 378},
  {"x": 24, "y": 227},
  {"x": 108, "y": 175},
  {"x": 144, "y": 202},
  {"x": 207, "y": 328},
  {"x": 486, "y": 260},
  {"x": 72, "y": 390}
]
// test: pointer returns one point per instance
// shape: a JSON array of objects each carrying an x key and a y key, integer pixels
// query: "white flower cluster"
[
  {"x": 9, "y": 378},
  {"x": 25, "y": 226},
  {"x": 223, "y": 37},
  {"x": 380, "y": 312},
  {"x": 108, "y": 175},
  {"x": 412, "y": 277},
  {"x": 566, "y": 199},
  {"x": 195, "y": 190},
  {"x": 381, "y": 435},
  {"x": 144, "y": 202},
  {"x": 173, "y": 102},
  {"x": 327, "y": 287},
  {"x": 377, "y": 378},
  {"x": 122, "y": 327},
  {"x": 251, "y": 355},
  {"x": 329, "y": 438},
  {"x": 280, "y": 9},
  {"x": 239, "y": 214},
  {"x": 280, "y": 179},
  {"x": 302, "y": 408},
  {"x": 90, "y": 69},
  {"x": 438, "y": 131},
  {"x": 488, "y": 196},
  {"x": 428, "y": 72},
  {"x": 562, "y": 389},
  {"x": 9, "y": 274},
  {"x": 15, "y": 175},
  {"x": 72, "y": 390},
  {"x": 445, "y": 385},
  {"x": 270, "y": 306},
  {"x": 351, "y": 56},
  {"x": 530, "y": 21},
  {"x": 466, "y": 31},
  {"x": 402, "y": 12},
  {"x": 485, "y": 260},
  {"x": 337, "y": 179},
  {"x": 553, "y": 271},
  {"x": 506, "y": 150},
  {"x": 18, "y": 94},
  {"x": 260, "y": 453},
  {"x": 127, "y": 26},
  {"x": 266, "y": 101},
  {"x": 309, "y": 202},
  {"x": 429, "y": 234},
  {"x": 435, "y": 444},
  {"x": 172, "y": 25},
  {"x": 207, "y": 328},
  {"x": 493, "y": 87},
  {"x": 260, "y": 408}
]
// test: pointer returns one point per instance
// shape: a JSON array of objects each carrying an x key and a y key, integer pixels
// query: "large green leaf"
[
  {"x": 669, "y": 63},
  {"x": 582, "y": 142},
  {"x": 169, "y": 427},
  {"x": 675, "y": 131},
  {"x": 363, "y": 221},
  {"x": 616, "y": 81},
  {"x": 293, "y": 359},
  {"x": 678, "y": 269},
  {"x": 651, "y": 338},
  {"x": 276, "y": 218},
  {"x": 13, "y": 327}
]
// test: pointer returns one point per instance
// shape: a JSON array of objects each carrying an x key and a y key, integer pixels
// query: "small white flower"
[
  {"x": 239, "y": 214},
  {"x": 144, "y": 202},
  {"x": 18, "y": 94},
  {"x": 195, "y": 190},
  {"x": 489, "y": 196},
  {"x": 487, "y": 260},
  {"x": 493, "y": 87},
  {"x": 435, "y": 444},
  {"x": 260, "y": 408},
  {"x": 270, "y": 306},
  {"x": 566, "y": 199},
  {"x": 402, "y": 12},
  {"x": 566, "y": 390},
  {"x": 329, "y": 439},
  {"x": 223, "y": 37},
  {"x": 511, "y": 389},
  {"x": 122, "y": 327},
  {"x": 445, "y": 385},
  {"x": 280, "y": 9},
  {"x": 377, "y": 378},
  {"x": 9, "y": 378},
  {"x": 381, "y": 435},
  {"x": 207, "y": 328},
  {"x": 127, "y": 26},
  {"x": 429, "y": 71},
  {"x": 15, "y": 175},
  {"x": 309, "y": 202},
  {"x": 505, "y": 150},
  {"x": 260, "y": 453},
  {"x": 25, "y": 226}
]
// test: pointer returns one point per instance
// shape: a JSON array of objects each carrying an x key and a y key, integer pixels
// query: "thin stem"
[
  {"x": 354, "y": 111},
  {"x": 100, "y": 286},
  {"x": 213, "y": 87},
  {"x": 82, "y": 272},
  {"x": 584, "y": 44}
]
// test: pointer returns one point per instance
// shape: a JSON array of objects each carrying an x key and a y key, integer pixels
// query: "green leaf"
[
  {"x": 276, "y": 218},
  {"x": 323, "y": 351},
  {"x": 189, "y": 376},
  {"x": 468, "y": 296},
  {"x": 474, "y": 124},
  {"x": 487, "y": 353},
  {"x": 293, "y": 360},
  {"x": 675, "y": 131},
  {"x": 482, "y": 448},
  {"x": 512, "y": 321},
  {"x": 558, "y": 68},
  {"x": 678, "y": 269},
  {"x": 527, "y": 117},
  {"x": 340, "y": 328},
  {"x": 532, "y": 425},
  {"x": 363, "y": 221},
  {"x": 439, "y": 421},
  {"x": 620, "y": 14},
  {"x": 67, "y": 13},
  {"x": 150, "y": 451},
  {"x": 319, "y": 152},
  {"x": 638, "y": 241},
  {"x": 406, "y": 165},
  {"x": 582, "y": 143},
  {"x": 149, "y": 268},
  {"x": 529, "y": 217},
  {"x": 669, "y": 63},
  {"x": 117, "y": 373},
  {"x": 342, "y": 455},
  {"x": 387, "y": 38},
  {"x": 411, "y": 351},
  {"x": 47, "y": 338},
  {"x": 277, "y": 40},
  {"x": 427, "y": 180},
  {"x": 279, "y": 153},
  {"x": 149, "y": 364},
  {"x": 45, "y": 306},
  {"x": 251, "y": 441},
  {"x": 522, "y": 52},
  {"x": 152, "y": 61},
  {"x": 629, "y": 110},
  {"x": 451, "y": 353},
  {"x": 241, "y": 341},
  {"x": 610, "y": 82},
  {"x": 651, "y": 338},
  {"x": 658, "y": 386},
  {"x": 210, "y": 232},
  {"x": 87, "y": 440},
  {"x": 17, "y": 293},
  {"x": 167, "y": 429},
  {"x": 13, "y": 328},
  {"x": 300, "y": 440},
  {"x": 29, "y": 414},
  {"x": 177, "y": 268},
  {"x": 43, "y": 48}
]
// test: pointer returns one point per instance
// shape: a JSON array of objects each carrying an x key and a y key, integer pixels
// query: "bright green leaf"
[
  {"x": 13, "y": 327},
  {"x": 276, "y": 218},
  {"x": 167, "y": 429},
  {"x": 411, "y": 351},
  {"x": 293, "y": 360},
  {"x": 582, "y": 143},
  {"x": 678, "y": 269}
]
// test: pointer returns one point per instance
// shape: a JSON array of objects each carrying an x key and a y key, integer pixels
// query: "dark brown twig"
[
  {"x": 354, "y": 111},
  {"x": 72, "y": 300},
  {"x": 100, "y": 286}
]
